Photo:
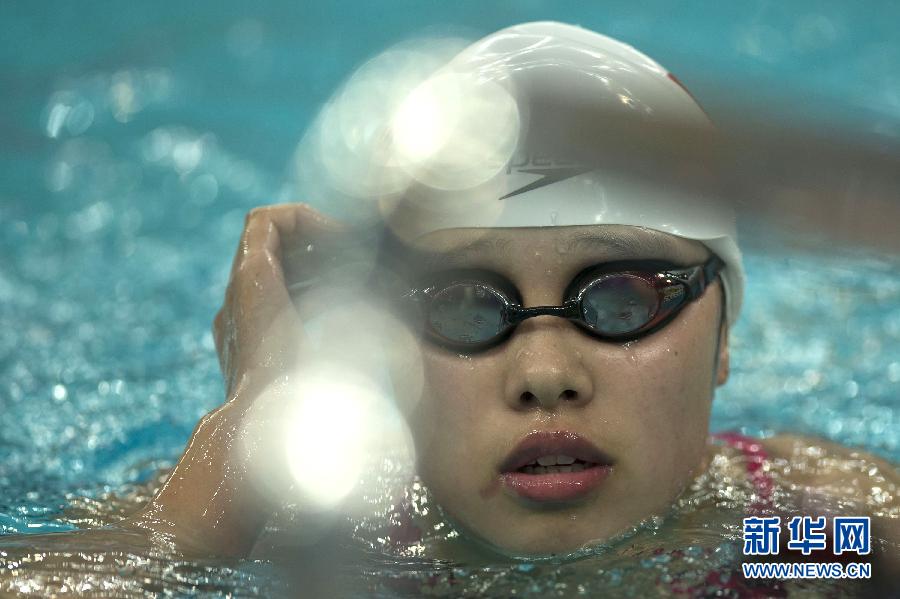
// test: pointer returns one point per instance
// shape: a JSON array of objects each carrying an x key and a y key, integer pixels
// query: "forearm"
[{"x": 209, "y": 505}]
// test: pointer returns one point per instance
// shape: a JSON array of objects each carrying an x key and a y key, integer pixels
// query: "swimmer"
[{"x": 572, "y": 335}]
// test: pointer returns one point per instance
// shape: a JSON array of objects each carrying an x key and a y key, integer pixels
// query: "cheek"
[
  {"x": 676, "y": 398},
  {"x": 451, "y": 417},
  {"x": 666, "y": 383},
  {"x": 678, "y": 374}
]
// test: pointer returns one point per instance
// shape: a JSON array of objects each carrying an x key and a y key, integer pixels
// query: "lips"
[{"x": 555, "y": 466}]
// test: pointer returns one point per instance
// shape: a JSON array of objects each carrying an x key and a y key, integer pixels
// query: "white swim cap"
[{"x": 477, "y": 140}]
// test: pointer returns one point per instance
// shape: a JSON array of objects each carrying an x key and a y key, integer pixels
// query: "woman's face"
[{"x": 644, "y": 405}]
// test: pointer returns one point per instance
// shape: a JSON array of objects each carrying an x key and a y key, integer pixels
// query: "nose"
[{"x": 546, "y": 369}]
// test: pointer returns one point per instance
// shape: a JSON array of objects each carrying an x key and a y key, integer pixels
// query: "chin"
[{"x": 565, "y": 533}]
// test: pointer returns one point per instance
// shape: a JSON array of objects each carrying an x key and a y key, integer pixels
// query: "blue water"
[{"x": 135, "y": 138}]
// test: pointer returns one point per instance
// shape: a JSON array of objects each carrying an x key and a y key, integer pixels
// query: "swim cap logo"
[{"x": 550, "y": 171}]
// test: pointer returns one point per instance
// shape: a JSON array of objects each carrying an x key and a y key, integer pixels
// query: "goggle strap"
[{"x": 711, "y": 270}]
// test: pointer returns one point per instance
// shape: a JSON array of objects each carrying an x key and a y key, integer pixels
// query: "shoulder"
[
  {"x": 834, "y": 469},
  {"x": 822, "y": 451}
]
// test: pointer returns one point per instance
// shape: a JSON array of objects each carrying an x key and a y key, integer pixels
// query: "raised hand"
[{"x": 214, "y": 502}]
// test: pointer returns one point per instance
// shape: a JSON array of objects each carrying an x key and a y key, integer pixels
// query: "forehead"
[{"x": 575, "y": 245}]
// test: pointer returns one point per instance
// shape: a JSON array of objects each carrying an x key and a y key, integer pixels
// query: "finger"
[
  {"x": 261, "y": 234},
  {"x": 268, "y": 228},
  {"x": 258, "y": 311},
  {"x": 256, "y": 291}
]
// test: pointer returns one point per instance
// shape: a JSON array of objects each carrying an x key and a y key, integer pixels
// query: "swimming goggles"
[{"x": 472, "y": 310}]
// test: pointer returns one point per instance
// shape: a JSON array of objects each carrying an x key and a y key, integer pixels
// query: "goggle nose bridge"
[{"x": 515, "y": 314}]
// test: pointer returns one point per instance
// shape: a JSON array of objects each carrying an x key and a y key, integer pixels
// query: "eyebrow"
[
  {"x": 432, "y": 260},
  {"x": 623, "y": 245}
]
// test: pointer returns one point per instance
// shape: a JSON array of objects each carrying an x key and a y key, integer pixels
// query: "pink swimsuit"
[{"x": 756, "y": 458}]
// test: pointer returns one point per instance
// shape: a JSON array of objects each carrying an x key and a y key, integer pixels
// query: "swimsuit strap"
[
  {"x": 755, "y": 457},
  {"x": 402, "y": 529}
]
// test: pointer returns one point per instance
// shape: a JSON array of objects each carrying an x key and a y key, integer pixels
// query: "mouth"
[{"x": 557, "y": 466}]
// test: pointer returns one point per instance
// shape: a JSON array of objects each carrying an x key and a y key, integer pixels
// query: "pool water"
[{"x": 135, "y": 142}]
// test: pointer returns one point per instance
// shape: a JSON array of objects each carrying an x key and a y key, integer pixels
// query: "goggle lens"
[
  {"x": 619, "y": 305},
  {"x": 467, "y": 313}
]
